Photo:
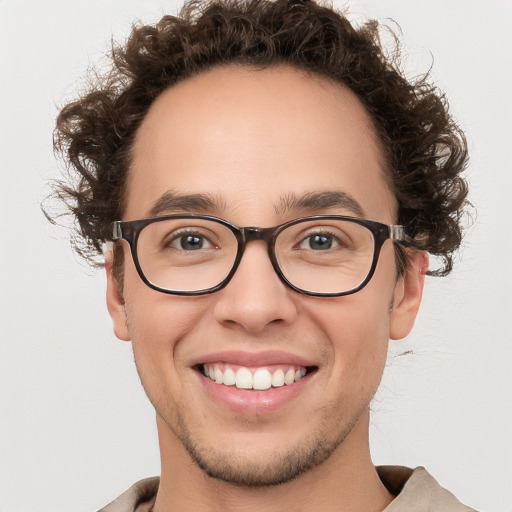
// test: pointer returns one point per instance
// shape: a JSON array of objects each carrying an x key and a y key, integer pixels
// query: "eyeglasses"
[{"x": 321, "y": 255}]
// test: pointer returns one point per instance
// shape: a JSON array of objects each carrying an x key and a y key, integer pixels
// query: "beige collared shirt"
[{"x": 415, "y": 490}]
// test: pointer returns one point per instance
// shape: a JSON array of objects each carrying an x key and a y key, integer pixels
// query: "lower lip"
[{"x": 253, "y": 402}]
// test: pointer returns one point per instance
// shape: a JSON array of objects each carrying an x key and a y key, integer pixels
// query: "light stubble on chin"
[{"x": 237, "y": 469}]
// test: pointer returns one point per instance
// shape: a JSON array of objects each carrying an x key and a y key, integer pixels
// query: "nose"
[{"x": 255, "y": 298}]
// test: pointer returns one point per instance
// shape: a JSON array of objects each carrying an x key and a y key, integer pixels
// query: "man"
[{"x": 268, "y": 186}]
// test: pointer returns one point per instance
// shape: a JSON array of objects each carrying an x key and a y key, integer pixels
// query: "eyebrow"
[
  {"x": 311, "y": 202},
  {"x": 190, "y": 203},
  {"x": 319, "y": 202}
]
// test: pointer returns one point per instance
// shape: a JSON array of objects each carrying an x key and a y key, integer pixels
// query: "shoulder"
[
  {"x": 417, "y": 490},
  {"x": 138, "y": 498}
]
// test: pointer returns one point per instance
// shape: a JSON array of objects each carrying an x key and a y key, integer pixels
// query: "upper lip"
[{"x": 243, "y": 358}]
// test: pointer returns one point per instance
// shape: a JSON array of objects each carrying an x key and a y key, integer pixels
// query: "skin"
[{"x": 251, "y": 137}]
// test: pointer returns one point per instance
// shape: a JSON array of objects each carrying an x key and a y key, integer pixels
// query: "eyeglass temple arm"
[
  {"x": 115, "y": 232},
  {"x": 398, "y": 234}
]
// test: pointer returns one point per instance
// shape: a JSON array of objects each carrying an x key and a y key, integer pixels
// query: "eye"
[
  {"x": 189, "y": 242},
  {"x": 319, "y": 242}
]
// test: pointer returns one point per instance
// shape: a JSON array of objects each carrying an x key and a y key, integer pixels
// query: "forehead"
[{"x": 252, "y": 138}]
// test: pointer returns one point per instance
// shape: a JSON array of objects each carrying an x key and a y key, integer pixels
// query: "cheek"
[
  {"x": 355, "y": 336},
  {"x": 360, "y": 333},
  {"x": 157, "y": 324}
]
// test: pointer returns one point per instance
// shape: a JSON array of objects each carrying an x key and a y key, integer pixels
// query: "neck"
[{"x": 347, "y": 481}]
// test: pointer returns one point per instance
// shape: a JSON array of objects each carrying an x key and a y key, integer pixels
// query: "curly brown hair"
[{"x": 425, "y": 150}]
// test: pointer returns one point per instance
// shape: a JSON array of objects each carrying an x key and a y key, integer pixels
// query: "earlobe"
[
  {"x": 115, "y": 301},
  {"x": 407, "y": 298}
]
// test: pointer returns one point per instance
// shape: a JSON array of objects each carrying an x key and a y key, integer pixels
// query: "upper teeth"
[{"x": 257, "y": 378}]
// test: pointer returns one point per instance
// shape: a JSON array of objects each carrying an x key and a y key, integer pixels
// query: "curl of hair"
[{"x": 425, "y": 150}]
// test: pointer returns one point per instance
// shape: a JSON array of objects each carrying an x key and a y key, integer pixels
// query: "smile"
[
  {"x": 253, "y": 384},
  {"x": 257, "y": 378}
]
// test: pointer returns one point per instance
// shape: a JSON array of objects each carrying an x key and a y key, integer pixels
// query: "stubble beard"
[{"x": 237, "y": 468}]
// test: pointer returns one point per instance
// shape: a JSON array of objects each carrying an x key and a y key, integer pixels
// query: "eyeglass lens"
[{"x": 322, "y": 256}]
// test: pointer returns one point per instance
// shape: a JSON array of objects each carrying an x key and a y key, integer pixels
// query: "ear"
[
  {"x": 115, "y": 300},
  {"x": 407, "y": 296}
]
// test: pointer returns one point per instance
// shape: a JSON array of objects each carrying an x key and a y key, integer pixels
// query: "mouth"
[
  {"x": 253, "y": 377},
  {"x": 253, "y": 384}
]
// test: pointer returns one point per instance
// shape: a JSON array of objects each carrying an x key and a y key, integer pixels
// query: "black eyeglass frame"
[{"x": 130, "y": 231}]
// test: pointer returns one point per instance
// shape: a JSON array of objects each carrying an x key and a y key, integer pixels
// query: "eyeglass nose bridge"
[{"x": 253, "y": 233}]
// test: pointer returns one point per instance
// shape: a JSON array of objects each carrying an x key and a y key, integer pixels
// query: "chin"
[
  {"x": 262, "y": 464},
  {"x": 239, "y": 469}
]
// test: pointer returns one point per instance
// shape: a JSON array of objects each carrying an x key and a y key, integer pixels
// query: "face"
[{"x": 256, "y": 143}]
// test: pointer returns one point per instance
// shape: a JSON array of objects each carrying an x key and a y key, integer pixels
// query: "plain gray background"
[{"x": 75, "y": 426}]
